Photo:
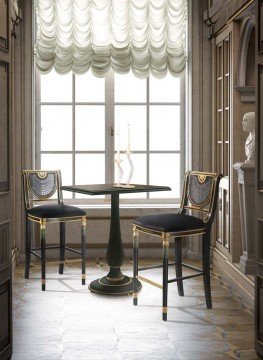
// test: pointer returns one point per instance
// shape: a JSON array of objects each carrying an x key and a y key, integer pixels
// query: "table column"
[{"x": 115, "y": 283}]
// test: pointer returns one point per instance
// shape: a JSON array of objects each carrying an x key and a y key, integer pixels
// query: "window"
[{"x": 79, "y": 117}]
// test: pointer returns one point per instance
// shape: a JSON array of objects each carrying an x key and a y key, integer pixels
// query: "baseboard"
[{"x": 239, "y": 283}]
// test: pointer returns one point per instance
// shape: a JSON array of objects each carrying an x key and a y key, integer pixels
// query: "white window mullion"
[
  {"x": 73, "y": 133},
  {"x": 37, "y": 125},
  {"x": 109, "y": 128},
  {"x": 148, "y": 133}
]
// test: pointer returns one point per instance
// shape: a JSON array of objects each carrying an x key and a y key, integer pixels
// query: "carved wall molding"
[
  {"x": 247, "y": 91},
  {"x": 248, "y": 25},
  {"x": 220, "y": 13}
]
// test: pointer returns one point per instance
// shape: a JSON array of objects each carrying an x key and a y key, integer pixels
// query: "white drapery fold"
[{"x": 141, "y": 35}]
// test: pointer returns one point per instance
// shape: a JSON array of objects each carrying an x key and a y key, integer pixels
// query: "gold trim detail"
[
  {"x": 172, "y": 234},
  {"x": 166, "y": 238},
  {"x": 149, "y": 281},
  {"x": 114, "y": 279},
  {"x": 105, "y": 293},
  {"x": 83, "y": 276},
  {"x": 42, "y": 224},
  {"x": 165, "y": 310},
  {"x": 52, "y": 220},
  {"x": 42, "y": 174},
  {"x": 43, "y": 281},
  {"x": 127, "y": 283},
  {"x": 135, "y": 231},
  {"x": 201, "y": 178},
  {"x": 135, "y": 295}
]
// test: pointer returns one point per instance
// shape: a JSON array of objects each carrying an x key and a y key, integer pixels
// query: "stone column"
[{"x": 246, "y": 188}]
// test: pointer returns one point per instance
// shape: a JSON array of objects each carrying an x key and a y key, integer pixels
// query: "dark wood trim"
[
  {"x": 259, "y": 180},
  {"x": 6, "y": 343},
  {"x": 260, "y": 36},
  {"x": 259, "y": 315},
  {"x": 259, "y": 77},
  {"x": 4, "y": 185},
  {"x": 4, "y": 258}
]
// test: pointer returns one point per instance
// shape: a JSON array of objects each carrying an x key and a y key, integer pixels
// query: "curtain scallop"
[{"x": 141, "y": 35}]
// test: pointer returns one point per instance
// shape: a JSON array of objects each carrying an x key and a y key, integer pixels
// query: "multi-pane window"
[
  {"x": 223, "y": 48},
  {"x": 82, "y": 121}
]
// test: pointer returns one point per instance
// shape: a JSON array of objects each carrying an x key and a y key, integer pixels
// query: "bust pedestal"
[{"x": 246, "y": 189}]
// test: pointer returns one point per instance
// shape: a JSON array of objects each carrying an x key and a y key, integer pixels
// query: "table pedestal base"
[{"x": 109, "y": 286}]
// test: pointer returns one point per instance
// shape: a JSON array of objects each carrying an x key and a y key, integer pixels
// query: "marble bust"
[{"x": 248, "y": 124}]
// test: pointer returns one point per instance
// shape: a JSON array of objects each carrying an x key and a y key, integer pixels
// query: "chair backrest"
[
  {"x": 200, "y": 193},
  {"x": 41, "y": 185}
]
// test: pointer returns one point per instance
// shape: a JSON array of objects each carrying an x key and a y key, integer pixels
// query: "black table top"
[{"x": 102, "y": 189}]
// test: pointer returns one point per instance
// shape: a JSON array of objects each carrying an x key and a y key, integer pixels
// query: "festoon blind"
[{"x": 142, "y": 35}]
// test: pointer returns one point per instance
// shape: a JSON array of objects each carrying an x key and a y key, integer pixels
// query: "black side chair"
[
  {"x": 39, "y": 186},
  {"x": 200, "y": 193}
]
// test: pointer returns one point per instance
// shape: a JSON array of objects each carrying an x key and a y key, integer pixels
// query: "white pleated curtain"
[{"x": 142, "y": 35}]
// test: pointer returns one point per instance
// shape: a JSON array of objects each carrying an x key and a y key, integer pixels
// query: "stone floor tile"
[
  {"x": 69, "y": 322},
  {"x": 163, "y": 355},
  {"x": 144, "y": 345},
  {"x": 91, "y": 346},
  {"x": 189, "y": 355}
]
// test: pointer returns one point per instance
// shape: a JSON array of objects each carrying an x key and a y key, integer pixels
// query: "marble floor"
[{"x": 69, "y": 322}]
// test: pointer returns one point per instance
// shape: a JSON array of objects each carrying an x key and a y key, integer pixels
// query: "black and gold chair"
[
  {"x": 45, "y": 186},
  {"x": 200, "y": 193}
]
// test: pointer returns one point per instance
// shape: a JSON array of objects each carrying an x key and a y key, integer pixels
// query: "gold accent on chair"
[
  {"x": 151, "y": 282},
  {"x": 200, "y": 192},
  {"x": 45, "y": 186},
  {"x": 201, "y": 178},
  {"x": 42, "y": 174}
]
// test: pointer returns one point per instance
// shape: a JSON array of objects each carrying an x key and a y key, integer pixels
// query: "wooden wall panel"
[
  {"x": 4, "y": 126},
  {"x": 259, "y": 317},
  {"x": 5, "y": 327},
  {"x": 260, "y": 28},
  {"x": 4, "y": 244},
  {"x": 259, "y": 178},
  {"x": 4, "y": 25},
  {"x": 260, "y": 129},
  {"x": 5, "y": 193}
]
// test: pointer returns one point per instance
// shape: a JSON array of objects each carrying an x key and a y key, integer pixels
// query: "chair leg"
[
  {"x": 83, "y": 250},
  {"x": 28, "y": 247},
  {"x": 62, "y": 246},
  {"x": 206, "y": 269},
  {"x": 43, "y": 254},
  {"x": 178, "y": 264},
  {"x": 135, "y": 265},
  {"x": 165, "y": 275}
]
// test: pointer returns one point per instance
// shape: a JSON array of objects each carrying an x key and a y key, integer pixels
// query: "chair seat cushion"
[
  {"x": 170, "y": 222},
  {"x": 55, "y": 211}
]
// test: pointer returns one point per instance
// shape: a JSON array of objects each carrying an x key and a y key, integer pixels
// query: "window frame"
[{"x": 109, "y": 138}]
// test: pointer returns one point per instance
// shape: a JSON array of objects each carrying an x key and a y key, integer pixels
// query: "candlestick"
[{"x": 129, "y": 141}]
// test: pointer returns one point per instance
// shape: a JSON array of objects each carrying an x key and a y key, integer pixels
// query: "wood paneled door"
[
  {"x": 259, "y": 180},
  {"x": 5, "y": 196}
]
